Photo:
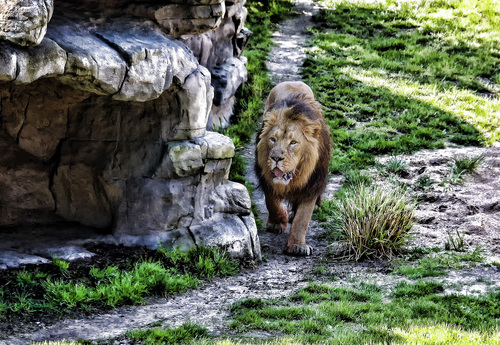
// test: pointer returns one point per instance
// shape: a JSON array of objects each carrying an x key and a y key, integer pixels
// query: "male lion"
[{"x": 293, "y": 149}]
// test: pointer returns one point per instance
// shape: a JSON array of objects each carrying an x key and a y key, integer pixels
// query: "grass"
[
  {"x": 438, "y": 264},
  {"x": 404, "y": 312},
  {"x": 457, "y": 244},
  {"x": 395, "y": 165},
  {"x": 184, "y": 334},
  {"x": 374, "y": 221},
  {"x": 370, "y": 314},
  {"x": 467, "y": 165},
  {"x": 398, "y": 76},
  {"x": 461, "y": 167},
  {"x": 61, "y": 291}
]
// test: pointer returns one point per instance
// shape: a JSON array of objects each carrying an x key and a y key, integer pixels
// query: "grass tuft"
[
  {"x": 395, "y": 165},
  {"x": 185, "y": 334},
  {"x": 375, "y": 221},
  {"x": 467, "y": 165}
]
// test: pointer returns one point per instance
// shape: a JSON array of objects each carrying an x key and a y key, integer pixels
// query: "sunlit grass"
[
  {"x": 371, "y": 314},
  {"x": 398, "y": 76},
  {"x": 416, "y": 334},
  {"x": 444, "y": 334},
  {"x": 468, "y": 105}
]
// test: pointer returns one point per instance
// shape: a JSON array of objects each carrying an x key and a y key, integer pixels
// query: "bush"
[{"x": 374, "y": 221}]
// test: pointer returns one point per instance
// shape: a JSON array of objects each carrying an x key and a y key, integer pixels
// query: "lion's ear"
[
  {"x": 269, "y": 118},
  {"x": 313, "y": 129}
]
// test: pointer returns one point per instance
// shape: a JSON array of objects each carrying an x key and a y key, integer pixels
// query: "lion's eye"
[
  {"x": 273, "y": 140},
  {"x": 293, "y": 142}
]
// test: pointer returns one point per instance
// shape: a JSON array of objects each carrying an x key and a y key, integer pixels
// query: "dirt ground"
[{"x": 471, "y": 208}]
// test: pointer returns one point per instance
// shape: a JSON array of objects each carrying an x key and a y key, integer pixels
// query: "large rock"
[
  {"x": 24, "y": 186},
  {"x": 183, "y": 18},
  {"x": 231, "y": 233},
  {"x": 104, "y": 123},
  {"x": 191, "y": 169},
  {"x": 24, "y": 22},
  {"x": 227, "y": 78}
]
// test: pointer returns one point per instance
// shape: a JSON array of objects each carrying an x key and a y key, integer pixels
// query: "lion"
[{"x": 292, "y": 154}]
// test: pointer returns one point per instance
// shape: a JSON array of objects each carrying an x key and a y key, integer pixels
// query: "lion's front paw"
[
  {"x": 299, "y": 249},
  {"x": 279, "y": 228}
]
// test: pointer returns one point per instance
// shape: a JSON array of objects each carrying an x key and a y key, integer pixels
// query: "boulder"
[
  {"x": 230, "y": 232},
  {"x": 104, "y": 122},
  {"x": 227, "y": 78},
  {"x": 179, "y": 19},
  {"x": 24, "y": 22}
]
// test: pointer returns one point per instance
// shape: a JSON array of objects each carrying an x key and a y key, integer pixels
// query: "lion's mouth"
[{"x": 278, "y": 174}]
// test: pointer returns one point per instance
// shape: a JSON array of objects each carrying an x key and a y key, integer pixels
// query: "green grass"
[
  {"x": 370, "y": 314},
  {"x": 457, "y": 243},
  {"x": 184, "y": 334},
  {"x": 438, "y": 264},
  {"x": 62, "y": 291},
  {"x": 462, "y": 166},
  {"x": 398, "y": 76},
  {"x": 467, "y": 165},
  {"x": 395, "y": 165}
]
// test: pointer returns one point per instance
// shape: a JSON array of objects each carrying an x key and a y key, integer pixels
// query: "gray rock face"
[
  {"x": 184, "y": 18},
  {"x": 24, "y": 22},
  {"x": 104, "y": 123}
]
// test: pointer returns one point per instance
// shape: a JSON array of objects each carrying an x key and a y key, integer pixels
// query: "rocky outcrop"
[
  {"x": 103, "y": 122},
  {"x": 24, "y": 22}
]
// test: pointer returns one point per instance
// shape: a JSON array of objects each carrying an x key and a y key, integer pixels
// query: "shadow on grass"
[{"x": 397, "y": 79}]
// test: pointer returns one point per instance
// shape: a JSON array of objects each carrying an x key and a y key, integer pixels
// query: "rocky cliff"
[{"x": 104, "y": 109}]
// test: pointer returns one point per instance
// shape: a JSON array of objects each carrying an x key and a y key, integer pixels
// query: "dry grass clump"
[{"x": 374, "y": 221}]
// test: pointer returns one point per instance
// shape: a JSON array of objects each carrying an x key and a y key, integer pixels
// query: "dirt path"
[{"x": 286, "y": 57}]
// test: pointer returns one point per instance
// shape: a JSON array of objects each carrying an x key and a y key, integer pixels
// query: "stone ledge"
[
  {"x": 126, "y": 59},
  {"x": 183, "y": 19}
]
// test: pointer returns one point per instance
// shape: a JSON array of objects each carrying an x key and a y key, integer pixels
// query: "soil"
[{"x": 472, "y": 208}]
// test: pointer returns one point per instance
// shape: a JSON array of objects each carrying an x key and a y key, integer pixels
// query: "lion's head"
[{"x": 288, "y": 145}]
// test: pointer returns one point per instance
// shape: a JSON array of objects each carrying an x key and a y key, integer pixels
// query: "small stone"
[
  {"x": 66, "y": 253},
  {"x": 12, "y": 259}
]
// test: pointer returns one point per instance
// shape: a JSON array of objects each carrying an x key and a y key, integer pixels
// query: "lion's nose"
[{"x": 277, "y": 158}]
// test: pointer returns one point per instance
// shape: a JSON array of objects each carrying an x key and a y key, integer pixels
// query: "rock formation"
[{"x": 104, "y": 110}]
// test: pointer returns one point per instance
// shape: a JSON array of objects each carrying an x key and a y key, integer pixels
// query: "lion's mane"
[{"x": 284, "y": 109}]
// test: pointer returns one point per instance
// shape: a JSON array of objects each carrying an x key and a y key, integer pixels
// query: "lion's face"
[{"x": 287, "y": 148}]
